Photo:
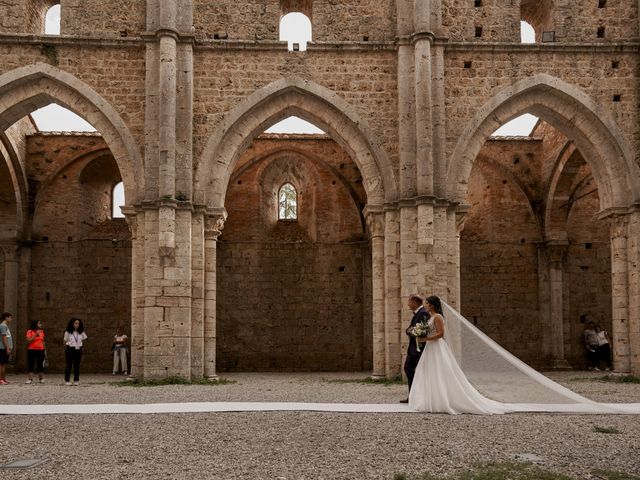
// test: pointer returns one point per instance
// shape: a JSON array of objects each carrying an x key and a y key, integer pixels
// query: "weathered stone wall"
[
  {"x": 501, "y": 242},
  {"x": 366, "y": 80},
  {"x": 330, "y": 21},
  {"x": 574, "y": 21},
  {"x": 498, "y": 252},
  {"x": 118, "y": 18},
  {"x": 80, "y": 258},
  {"x": 467, "y": 89},
  {"x": 292, "y": 293},
  {"x": 587, "y": 270}
]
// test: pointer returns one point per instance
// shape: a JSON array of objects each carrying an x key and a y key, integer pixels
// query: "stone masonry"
[{"x": 408, "y": 92}]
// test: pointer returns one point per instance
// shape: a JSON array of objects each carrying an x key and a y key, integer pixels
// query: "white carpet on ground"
[{"x": 206, "y": 407}]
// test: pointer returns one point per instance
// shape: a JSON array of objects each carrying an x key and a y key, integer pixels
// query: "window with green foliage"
[{"x": 287, "y": 202}]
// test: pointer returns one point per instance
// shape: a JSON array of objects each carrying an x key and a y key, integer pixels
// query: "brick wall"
[
  {"x": 292, "y": 294},
  {"x": 81, "y": 258}
]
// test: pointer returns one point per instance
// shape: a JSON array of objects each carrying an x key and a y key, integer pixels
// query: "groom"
[{"x": 420, "y": 314}]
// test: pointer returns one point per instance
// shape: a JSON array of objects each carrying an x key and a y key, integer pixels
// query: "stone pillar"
[
  {"x": 136, "y": 342},
  {"x": 620, "y": 294},
  {"x": 214, "y": 223},
  {"x": 633, "y": 264},
  {"x": 392, "y": 290},
  {"x": 376, "y": 225},
  {"x": 11, "y": 279},
  {"x": 557, "y": 253}
]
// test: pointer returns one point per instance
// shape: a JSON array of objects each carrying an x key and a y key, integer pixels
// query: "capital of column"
[
  {"x": 619, "y": 225},
  {"x": 214, "y": 223},
  {"x": 10, "y": 251},
  {"x": 375, "y": 221},
  {"x": 131, "y": 216}
]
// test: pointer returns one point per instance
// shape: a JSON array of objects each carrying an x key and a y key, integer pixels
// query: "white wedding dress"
[
  {"x": 467, "y": 372},
  {"x": 440, "y": 385}
]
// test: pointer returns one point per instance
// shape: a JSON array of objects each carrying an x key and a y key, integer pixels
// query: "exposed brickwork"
[
  {"x": 81, "y": 259},
  {"x": 292, "y": 293}
]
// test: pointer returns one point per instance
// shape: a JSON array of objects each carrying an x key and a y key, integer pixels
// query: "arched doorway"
[
  {"x": 334, "y": 116},
  {"x": 604, "y": 154}
]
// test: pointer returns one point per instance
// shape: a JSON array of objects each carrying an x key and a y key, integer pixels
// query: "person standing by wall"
[
  {"x": 6, "y": 346},
  {"x": 119, "y": 351},
  {"x": 591, "y": 342},
  {"x": 74, "y": 337},
  {"x": 35, "y": 351},
  {"x": 604, "y": 347}
]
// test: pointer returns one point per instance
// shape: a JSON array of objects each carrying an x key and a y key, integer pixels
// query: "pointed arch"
[
  {"x": 570, "y": 111},
  {"x": 28, "y": 88},
  {"x": 311, "y": 102}
]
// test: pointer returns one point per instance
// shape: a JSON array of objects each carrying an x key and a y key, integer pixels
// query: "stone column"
[
  {"x": 422, "y": 41},
  {"x": 376, "y": 224},
  {"x": 11, "y": 279},
  {"x": 620, "y": 294},
  {"x": 633, "y": 264},
  {"x": 136, "y": 343},
  {"x": 557, "y": 253},
  {"x": 392, "y": 297},
  {"x": 214, "y": 223}
]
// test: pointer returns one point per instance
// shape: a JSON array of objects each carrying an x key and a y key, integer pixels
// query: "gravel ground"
[{"x": 301, "y": 445}]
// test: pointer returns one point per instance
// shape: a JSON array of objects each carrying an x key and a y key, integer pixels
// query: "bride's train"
[{"x": 467, "y": 372}]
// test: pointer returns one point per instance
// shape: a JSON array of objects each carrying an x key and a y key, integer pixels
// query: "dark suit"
[{"x": 413, "y": 355}]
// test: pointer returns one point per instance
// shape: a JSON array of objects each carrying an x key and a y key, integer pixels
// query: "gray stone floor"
[{"x": 292, "y": 445}]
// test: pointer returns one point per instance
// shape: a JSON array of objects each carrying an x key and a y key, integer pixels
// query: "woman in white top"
[{"x": 74, "y": 337}]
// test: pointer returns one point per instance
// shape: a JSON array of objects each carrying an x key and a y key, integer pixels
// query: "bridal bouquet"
[{"x": 420, "y": 329}]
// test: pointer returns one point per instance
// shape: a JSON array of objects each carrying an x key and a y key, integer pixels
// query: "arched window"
[
  {"x": 527, "y": 33},
  {"x": 287, "y": 202},
  {"x": 117, "y": 200},
  {"x": 295, "y": 29},
  {"x": 52, "y": 21}
]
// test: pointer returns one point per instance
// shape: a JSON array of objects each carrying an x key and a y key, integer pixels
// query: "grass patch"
[
  {"x": 613, "y": 475},
  {"x": 608, "y": 379},
  {"x": 369, "y": 381},
  {"x": 158, "y": 382},
  {"x": 606, "y": 429}
]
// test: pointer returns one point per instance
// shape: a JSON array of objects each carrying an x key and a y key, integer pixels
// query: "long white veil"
[{"x": 501, "y": 376}]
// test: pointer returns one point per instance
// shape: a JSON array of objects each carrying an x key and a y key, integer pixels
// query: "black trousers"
[
  {"x": 604, "y": 354},
  {"x": 72, "y": 356},
  {"x": 410, "y": 364},
  {"x": 35, "y": 360}
]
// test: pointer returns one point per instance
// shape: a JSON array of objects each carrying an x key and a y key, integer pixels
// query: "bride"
[
  {"x": 439, "y": 384},
  {"x": 443, "y": 384}
]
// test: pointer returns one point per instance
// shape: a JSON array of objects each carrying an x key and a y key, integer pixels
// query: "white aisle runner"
[{"x": 206, "y": 407}]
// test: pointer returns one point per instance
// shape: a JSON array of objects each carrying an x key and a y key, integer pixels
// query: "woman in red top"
[{"x": 35, "y": 351}]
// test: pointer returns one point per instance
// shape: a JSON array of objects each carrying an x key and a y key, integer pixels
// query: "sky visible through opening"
[{"x": 294, "y": 28}]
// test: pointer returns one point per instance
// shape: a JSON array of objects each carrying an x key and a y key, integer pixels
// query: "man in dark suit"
[{"x": 420, "y": 314}]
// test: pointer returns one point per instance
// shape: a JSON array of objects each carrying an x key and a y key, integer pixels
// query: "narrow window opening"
[
  {"x": 615, "y": 64},
  {"x": 617, "y": 97},
  {"x": 477, "y": 3},
  {"x": 52, "y": 21},
  {"x": 600, "y": 32},
  {"x": 478, "y": 32},
  {"x": 287, "y": 202},
  {"x": 527, "y": 32},
  {"x": 467, "y": 64},
  {"x": 295, "y": 29},
  {"x": 602, "y": 3},
  {"x": 117, "y": 200}
]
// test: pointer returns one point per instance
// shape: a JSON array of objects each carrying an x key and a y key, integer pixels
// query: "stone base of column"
[
  {"x": 212, "y": 378},
  {"x": 377, "y": 376}
]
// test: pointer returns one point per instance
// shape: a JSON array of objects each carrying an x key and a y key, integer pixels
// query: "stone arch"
[
  {"x": 570, "y": 111},
  {"x": 301, "y": 153},
  {"x": 28, "y": 88},
  {"x": 18, "y": 180},
  {"x": 307, "y": 100},
  {"x": 44, "y": 187}
]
